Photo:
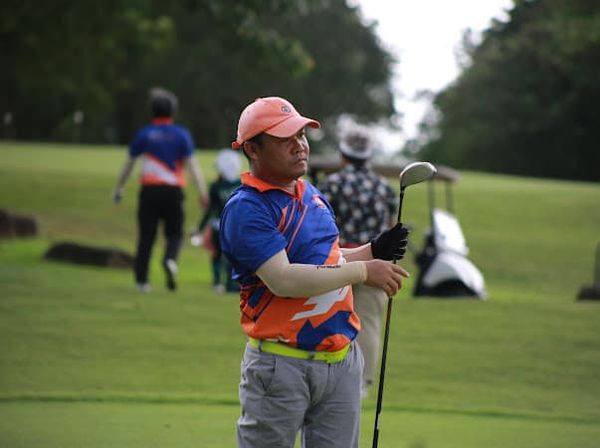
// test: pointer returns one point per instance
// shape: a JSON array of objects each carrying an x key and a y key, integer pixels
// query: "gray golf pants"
[{"x": 281, "y": 396}]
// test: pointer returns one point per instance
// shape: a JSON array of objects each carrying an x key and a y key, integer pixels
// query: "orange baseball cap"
[{"x": 272, "y": 115}]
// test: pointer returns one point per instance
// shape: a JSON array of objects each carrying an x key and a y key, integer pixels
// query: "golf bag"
[{"x": 444, "y": 269}]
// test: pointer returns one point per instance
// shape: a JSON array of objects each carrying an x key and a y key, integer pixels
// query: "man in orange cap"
[{"x": 301, "y": 369}]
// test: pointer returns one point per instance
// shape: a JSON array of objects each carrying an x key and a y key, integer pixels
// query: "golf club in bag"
[{"x": 412, "y": 174}]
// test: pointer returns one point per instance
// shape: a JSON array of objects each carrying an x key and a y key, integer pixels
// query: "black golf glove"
[{"x": 390, "y": 244}]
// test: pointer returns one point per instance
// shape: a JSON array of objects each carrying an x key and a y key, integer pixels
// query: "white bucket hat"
[
  {"x": 229, "y": 164},
  {"x": 356, "y": 145}
]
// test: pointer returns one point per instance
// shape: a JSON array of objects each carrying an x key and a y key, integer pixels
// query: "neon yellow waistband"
[{"x": 277, "y": 348}]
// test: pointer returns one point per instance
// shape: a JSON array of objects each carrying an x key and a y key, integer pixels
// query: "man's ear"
[{"x": 251, "y": 150}]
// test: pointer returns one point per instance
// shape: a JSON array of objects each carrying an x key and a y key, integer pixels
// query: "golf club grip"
[{"x": 400, "y": 206}]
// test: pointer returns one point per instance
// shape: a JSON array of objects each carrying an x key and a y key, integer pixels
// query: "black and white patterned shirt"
[{"x": 364, "y": 203}]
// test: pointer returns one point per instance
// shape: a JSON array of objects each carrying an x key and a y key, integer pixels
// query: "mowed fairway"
[{"x": 86, "y": 361}]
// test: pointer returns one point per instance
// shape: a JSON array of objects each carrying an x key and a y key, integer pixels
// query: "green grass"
[{"x": 86, "y": 361}]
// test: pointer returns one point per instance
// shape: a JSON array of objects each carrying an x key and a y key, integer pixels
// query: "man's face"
[{"x": 282, "y": 159}]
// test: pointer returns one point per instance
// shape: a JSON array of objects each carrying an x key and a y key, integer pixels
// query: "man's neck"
[{"x": 286, "y": 184}]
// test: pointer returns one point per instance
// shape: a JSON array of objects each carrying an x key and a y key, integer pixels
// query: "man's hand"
[
  {"x": 390, "y": 244},
  {"x": 385, "y": 275}
]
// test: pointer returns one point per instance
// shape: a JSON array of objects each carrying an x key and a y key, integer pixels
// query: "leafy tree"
[
  {"x": 216, "y": 55},
  {"x": 64, "y": 56},
  {"x": 527, "y": 103},
  {"x": 351, "y": 72},
  {"x": 219, "y": 62},
  {"x": 317, "y": 53}
]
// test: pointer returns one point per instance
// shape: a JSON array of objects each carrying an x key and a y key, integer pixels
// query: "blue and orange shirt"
[
  {"x": 164, "y": 146},
  {"x": 260, "y": 220}
]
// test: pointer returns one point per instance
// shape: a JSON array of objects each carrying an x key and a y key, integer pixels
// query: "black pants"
[
  {"x": 220, "y": 265},
  {"x": 158, "y": 203}
]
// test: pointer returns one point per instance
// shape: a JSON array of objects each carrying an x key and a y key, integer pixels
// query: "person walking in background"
[
  {"x": 301, "y": 370},
  {"x": 166, "y": 148},
  {"x": 365, "y": 205},
  {"x": 228, "y": 167}
]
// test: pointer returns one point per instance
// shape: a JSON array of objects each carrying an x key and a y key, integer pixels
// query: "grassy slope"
[{"x": 521, "y": 369}]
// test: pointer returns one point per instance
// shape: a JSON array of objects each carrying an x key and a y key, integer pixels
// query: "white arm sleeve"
[
  {"x": 307, "y": 280},
  {"x": 196, "y": 174}
]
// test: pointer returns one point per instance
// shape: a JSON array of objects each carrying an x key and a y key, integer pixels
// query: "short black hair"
[
  {"x": 163, "y": 103},
  {"x": 257, "y": 139}
]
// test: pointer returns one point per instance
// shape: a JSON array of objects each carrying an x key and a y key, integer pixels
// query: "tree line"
[
  {"x": 527, "y": 100},
  {"x": 524, "y": 103},
  {"x": 81, "y": 70}
]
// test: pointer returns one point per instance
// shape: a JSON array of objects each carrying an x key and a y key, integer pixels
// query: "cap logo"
[{"x": 286, "y": 110}]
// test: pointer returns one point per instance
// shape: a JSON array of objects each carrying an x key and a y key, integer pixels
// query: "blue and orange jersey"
[
  {"x": 164, "y": 146},
  {"x": 260, "y": 220}
]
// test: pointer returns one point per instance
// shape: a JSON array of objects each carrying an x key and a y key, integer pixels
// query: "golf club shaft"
[
  {"x": 400, "y": 206},
  {"x": 382, "y": 373},
  {"x": 385, "y": 344}
]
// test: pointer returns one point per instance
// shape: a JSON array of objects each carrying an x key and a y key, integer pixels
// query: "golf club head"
[{"x": 415, "y": 173}]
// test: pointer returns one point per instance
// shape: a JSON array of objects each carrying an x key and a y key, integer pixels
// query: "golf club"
[{"x": 414, "y": 173}]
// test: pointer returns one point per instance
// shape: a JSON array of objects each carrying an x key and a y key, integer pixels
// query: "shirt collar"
[
  {"x": 162, "y": 120},
  {"x": 262, "y": 186},
  {"x": 352, "y": 167}
]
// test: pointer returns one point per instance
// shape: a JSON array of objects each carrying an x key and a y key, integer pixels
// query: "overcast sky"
[{"x": 424, "y": 35}]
